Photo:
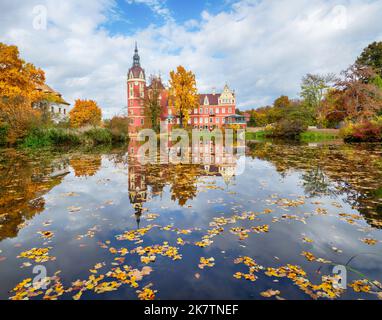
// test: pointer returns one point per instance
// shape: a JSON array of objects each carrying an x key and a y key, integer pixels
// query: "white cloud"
[{"x": 261, "y": 48}]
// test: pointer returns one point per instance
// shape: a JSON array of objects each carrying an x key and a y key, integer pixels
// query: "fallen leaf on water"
[
  {"x": 270, "y": 293},
  {"x": 37, "y": 254},
  {"x": 361, "y": 286},
  {"x": 369, "y": 241},
  {"x": 206, "y": 262},
  {"x": 147, "y": 293},
  {"x": 46, "y": 234},
  {"x": 307, "y": 240},
  {"x": 74, "y": 209}
]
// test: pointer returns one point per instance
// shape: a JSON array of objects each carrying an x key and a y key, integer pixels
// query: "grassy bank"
[
  {"x": 308, "y": 136},
  {"x": 57, "y": 137}
]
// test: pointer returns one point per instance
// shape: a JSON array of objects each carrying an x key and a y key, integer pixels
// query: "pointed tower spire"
[{"x": 136, "y": 58}]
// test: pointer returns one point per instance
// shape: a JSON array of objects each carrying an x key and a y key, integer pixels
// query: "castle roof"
[
  {"x": 136, "y": 69},
  {"x": 49, "y": 91},
  {"x": 213, "y": 99}
]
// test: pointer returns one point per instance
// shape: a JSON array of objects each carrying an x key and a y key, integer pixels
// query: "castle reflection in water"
[{"x": 182, "y": 178}]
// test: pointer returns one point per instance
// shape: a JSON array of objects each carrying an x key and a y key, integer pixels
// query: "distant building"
[
  {"x": 53, "y": 103},
  {"x": 247, "y": 116},
  {"x": 214, "y": 110}
]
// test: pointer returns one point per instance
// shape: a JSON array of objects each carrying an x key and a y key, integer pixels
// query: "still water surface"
[{"x": 114, "y": 227}]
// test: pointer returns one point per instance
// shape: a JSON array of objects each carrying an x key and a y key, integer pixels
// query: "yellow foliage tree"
[
  {"x": 18, "y": 78},
  {"x": 85, "y": 112},
  {"x": 18, "y": 82},
  {"x": 183, "y": 93}
]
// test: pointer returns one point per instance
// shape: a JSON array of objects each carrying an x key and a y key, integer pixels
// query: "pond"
[{"x": 99, "y": 225}]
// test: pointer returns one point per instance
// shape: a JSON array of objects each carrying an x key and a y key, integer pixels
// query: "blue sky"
[
  {"x": 260, "y": 48},
  {"x": 131, "y": 16}
]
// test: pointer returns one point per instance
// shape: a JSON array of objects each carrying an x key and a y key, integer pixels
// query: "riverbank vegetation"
[
  {"x": 351, "y": 101},
  {"x": 28, "y": 123}
]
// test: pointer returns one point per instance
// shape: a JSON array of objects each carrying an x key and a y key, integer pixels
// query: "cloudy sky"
[{"x": 261, "y": 48}]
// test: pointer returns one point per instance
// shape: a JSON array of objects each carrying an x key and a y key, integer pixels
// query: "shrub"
[
  {"x": 3, "y": 134},
  {"x": 370, "y": 131},
  {"x": 19, "y": 116},
  {"x": 37, "y": 138},
  {"x": 119, "y": 128},
  {"x": 40, "y": 138},
  {"x": 63, "y": 137},
  {"x": 289, "y": 128},
  {"x": 99, "y": 136}
]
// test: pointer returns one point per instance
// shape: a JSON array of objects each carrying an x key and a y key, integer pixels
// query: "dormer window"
[{"x": 206, "y": 102}]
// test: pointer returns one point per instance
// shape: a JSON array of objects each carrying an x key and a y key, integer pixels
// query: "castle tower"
[{"x": 136, "y": 89}]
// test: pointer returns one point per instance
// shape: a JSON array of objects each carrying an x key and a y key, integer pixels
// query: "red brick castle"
[{"x": 216, "y": 110}]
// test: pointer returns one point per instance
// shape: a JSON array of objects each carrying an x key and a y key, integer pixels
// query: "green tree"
[
  {"x": 372, "y": 57},
  {"x": 313, "y": 90},
  {"x": 252, "y": 120},
  {"x": 153, "y": 102}
]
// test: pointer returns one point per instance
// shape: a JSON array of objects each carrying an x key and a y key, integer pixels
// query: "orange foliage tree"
[
  {"x": 85, "y": 112},
  {"x": 18, "y": 81}
]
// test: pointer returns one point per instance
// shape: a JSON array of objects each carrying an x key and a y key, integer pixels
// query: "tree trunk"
[{"x": 181, "y": 120}]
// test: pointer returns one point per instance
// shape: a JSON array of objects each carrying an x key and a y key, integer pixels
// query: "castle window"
[
  {"x": 201, "y": 110},
  {"x": 230, "y": 110},
  {"x": 217, "y": 110},
  {"x": 59, "y": 110},
  {"x": 195, "y": 111},
  {"x": 217, "y": 120},
  {"x": 52, "y": 109},
  {"x": 65, "y": 111},
  {"x": 223, "y": 110}
]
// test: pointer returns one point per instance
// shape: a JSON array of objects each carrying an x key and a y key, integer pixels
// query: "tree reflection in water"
[
  {"x": 24, "y": 180},
  {"x": 352, "y": 170}
]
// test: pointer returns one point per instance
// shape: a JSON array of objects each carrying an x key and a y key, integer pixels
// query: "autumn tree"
[
  {"x": 85, "y": 112},
  {"x": 332, "y": 109},
  {"x": 152, "y": 102},
  {"x": 372, "y": 57},
  {"x": 183, "y": 93},
  {"x": 360, "y": 98},
  {"x": 18, "y": 82},
  {"x": 18, "y": 78},
  {"x": 280, "y": 107},
  {"x": 313, "y": 90}
]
